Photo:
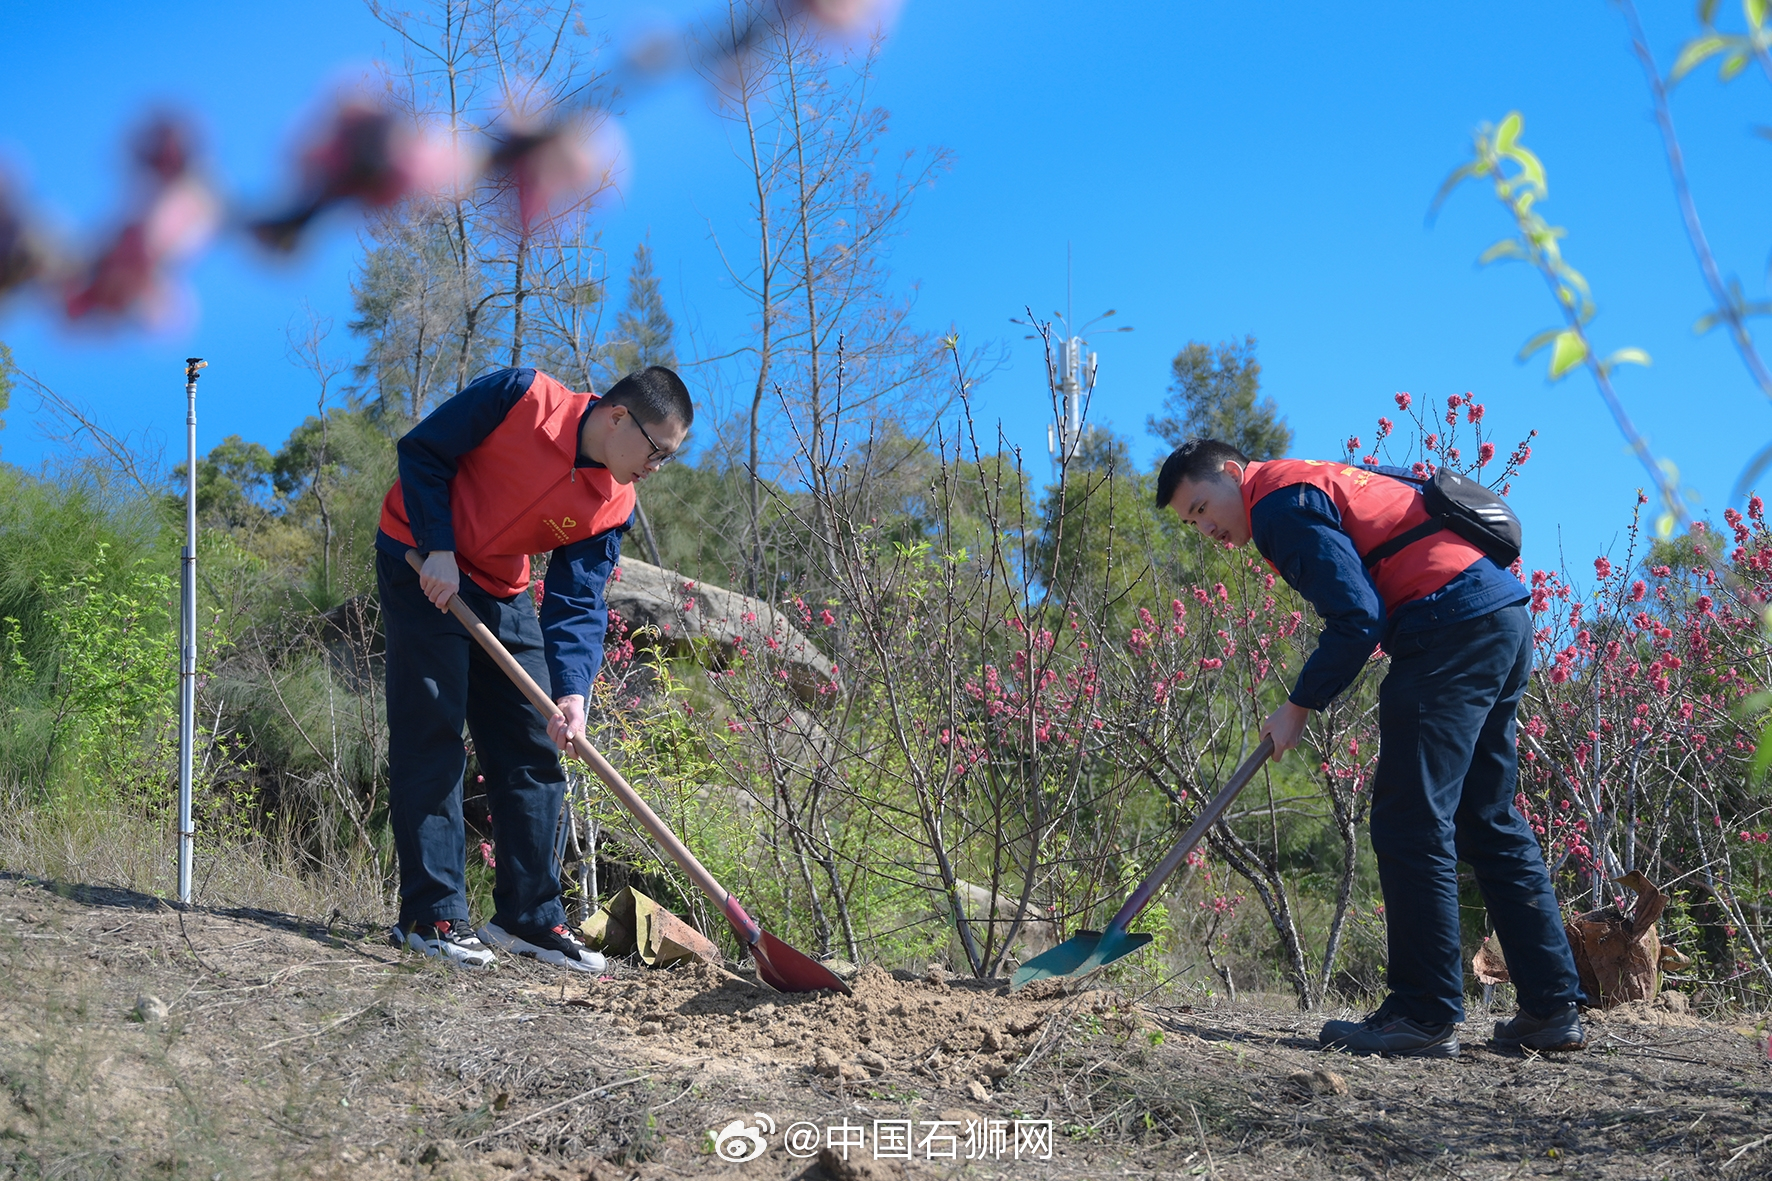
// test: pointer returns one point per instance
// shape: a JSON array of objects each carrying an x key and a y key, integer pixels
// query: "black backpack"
[{"x": 1464, "y": 506}]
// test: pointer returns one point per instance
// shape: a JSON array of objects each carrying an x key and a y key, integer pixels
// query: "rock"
[
  {"x": 857, "y": 1168},
  {"x": 993, "y": 1040},
  {"x": 841, "y": 969},
  {"x": 876, "y": 1065},
  {"x": 650, "y": 1028},
  {"x": 852, "y": 1073},
  {"x": 149, "y": 1009},
  {"x": 1319, "y": 1082},
  {"x": 996, "y": 1070},
  {"x": 663, "y": 609},
  {"x": 437, "y": 1151},
  {"x": 977, "y": 1091},
  {"x": 826, "y": 1062},
  {"x": 936, "y": 974}
]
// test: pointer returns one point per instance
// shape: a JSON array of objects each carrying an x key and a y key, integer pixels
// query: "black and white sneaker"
[
  {"x": 555, "y": 945},
  {"x": 456, "y": 943}
]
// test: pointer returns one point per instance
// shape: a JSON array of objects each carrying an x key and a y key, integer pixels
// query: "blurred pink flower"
[
  {"x": 556, "y": 164},
  {"x": 362, "y": 151},
  {"x": 174, "y": 216}
]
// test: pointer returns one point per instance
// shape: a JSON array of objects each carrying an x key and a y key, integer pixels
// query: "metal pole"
[{"x": 187, "y": 639}]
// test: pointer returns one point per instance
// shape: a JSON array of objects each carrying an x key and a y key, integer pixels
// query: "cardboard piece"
[
  {"x": 1618, "y": 956},
  {"x": 631, "y": 921}
]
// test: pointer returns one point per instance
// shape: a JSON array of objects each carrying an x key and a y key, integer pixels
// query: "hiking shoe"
[
  {"x": 1393, "y": 1035},
  {"x": 555, "y": 945},
  {"x": 1560, "y": 1031},
  {"x": 456, "y": 943}
]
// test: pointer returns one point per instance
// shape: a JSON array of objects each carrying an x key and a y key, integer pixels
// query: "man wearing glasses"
[{"x": 513, "y": 465}]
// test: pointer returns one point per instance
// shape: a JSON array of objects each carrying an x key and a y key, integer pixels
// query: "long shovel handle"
[
  {"x": 747, "y": 928},
  {"x": 1148, "y": 888}
]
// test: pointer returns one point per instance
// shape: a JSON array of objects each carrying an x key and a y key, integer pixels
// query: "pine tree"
[
  {"x": 643, "y": 329},
  {"x": 1216, "y": 394}
]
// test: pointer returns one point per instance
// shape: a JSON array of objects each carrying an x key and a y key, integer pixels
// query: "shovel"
[
  {"x": 1086, "y": 951},
  {"x": 781, "y": 967}
]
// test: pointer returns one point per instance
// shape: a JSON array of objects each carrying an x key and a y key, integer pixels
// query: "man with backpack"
[
  {"x": 1377, "y": 565},
  {"x": 513, "y": 465}
]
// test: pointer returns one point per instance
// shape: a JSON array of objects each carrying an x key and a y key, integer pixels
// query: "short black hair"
[
  {"x": 1196, "y": 459},
  {"x": 653, "y": 395}
]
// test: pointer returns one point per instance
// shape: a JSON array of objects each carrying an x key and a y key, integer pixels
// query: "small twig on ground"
[
  {"x": 192, "y": 946},
  {"x": 590, "y": 1094},
  {"x": 328, "y": 1028},
  {"x": 1211, "y": 1166},
  {"x": 1739, "y": 1152}
]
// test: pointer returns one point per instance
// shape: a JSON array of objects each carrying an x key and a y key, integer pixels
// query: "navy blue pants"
[
  {"x": 1444, "y": 793},
  {"x": 438, "y": 679}
]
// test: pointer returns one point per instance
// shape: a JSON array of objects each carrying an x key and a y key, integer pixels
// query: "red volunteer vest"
[
  {"x": 1373, "y": 509},
  {"x": 518, "y": 492}
]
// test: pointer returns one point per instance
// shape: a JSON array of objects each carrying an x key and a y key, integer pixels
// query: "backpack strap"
[{"x": 1385, "y": 549}]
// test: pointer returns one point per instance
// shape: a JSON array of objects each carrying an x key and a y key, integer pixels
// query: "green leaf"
[
  {"x": 1697, "y": 51},
  {"x": 1568, "y": 351},
  {"x": 1507, "y": 131},
  {"x": 1628, "y": 356},
  {"x": 1506, "y": 248},
  {"x": 1536, "y": 343},
  {"x": 1664, "y": 526},
  {"x": 1755, "y": 10},
  {"x": 1452, "y": 181},
  {"x": 1732, "y": 65},
  {"x": 1531, "y": 168}
]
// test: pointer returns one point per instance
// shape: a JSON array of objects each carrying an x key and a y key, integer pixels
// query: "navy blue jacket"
[
  {"x": 574, "y": 615},
  {"x": 1298, "y": 529}
]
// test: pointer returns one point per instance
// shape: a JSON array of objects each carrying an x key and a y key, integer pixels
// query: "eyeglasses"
[{"x": 659, "y": 456}]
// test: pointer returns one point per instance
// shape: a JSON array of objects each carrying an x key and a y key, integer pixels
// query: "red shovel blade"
[{"x": 787, "y": 970}]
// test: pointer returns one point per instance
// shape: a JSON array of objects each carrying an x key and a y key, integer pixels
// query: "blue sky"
[{"x": 1217, "y": 170}]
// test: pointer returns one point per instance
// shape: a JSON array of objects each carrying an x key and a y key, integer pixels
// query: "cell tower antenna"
[{"x": 1074, "y": 379}]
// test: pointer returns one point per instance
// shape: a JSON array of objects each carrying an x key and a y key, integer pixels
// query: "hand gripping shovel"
[
  {"x": 1086, "y": 951},
  {"x": 780, "y": 966}
]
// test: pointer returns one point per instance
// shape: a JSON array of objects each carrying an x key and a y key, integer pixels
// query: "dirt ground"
[{"x": 136, "y": 1042}]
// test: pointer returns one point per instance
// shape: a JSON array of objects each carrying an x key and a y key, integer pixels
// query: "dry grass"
[
  {"x": 307, "y": 1048},
  {"x": 137, "y": 850}
]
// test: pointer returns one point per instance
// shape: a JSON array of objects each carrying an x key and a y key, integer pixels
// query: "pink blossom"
[
  {"x": 1403, "y": 401},
  {"x": 1602, "y": 567}
]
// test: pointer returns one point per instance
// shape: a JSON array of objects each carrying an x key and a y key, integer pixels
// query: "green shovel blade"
[{"x": 1079, "y": 955}]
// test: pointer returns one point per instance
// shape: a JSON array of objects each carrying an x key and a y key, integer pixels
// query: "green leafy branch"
[
  {"x": 1736, "y": 49},
  {"x": 1518, "y": 179},
  {"x": 1732, "y": 308}
]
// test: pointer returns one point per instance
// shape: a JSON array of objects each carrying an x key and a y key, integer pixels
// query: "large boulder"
[
  {"x": 662, "y": 611},
  {"x": 682, "y": 616}
]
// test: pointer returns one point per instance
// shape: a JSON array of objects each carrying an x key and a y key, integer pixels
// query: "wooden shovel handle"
[
  {"x": 1148, "y": 888},
  {"x": 747, "y": 927}
]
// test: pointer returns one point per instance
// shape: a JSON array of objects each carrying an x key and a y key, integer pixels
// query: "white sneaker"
[
  {"x": 458, "y": 945},
  {"x": 555, "y": 945}
]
